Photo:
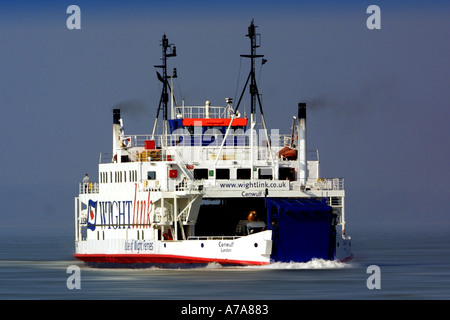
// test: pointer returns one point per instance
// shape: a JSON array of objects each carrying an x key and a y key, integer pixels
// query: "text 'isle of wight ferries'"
[{"x": 138, "y": 245}]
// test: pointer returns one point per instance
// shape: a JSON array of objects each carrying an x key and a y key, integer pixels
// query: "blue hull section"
[{"x": 302, "y": 229}]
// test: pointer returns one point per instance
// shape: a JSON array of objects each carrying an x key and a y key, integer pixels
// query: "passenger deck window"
[
  {"x": 200, "y": 174},
  {"x": 286, "y": 174},
  {"x": 265, "y": 173},
  {"x": 223, "y": 174},
  {"x": 243, "y": 174}
]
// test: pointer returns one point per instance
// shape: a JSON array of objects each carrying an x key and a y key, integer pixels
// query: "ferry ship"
[{"x": 210, "y": 185}]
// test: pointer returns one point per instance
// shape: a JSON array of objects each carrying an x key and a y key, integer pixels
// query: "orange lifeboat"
[{"x": 288, "y": 153}]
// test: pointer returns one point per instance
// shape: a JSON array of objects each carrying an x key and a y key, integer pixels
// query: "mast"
[
  {"x": 164, "y": 94},
  {"x": 255, "y": 40}
]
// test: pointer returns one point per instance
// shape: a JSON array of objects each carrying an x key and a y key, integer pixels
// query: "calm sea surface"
[{"x": 413, "y": 265}]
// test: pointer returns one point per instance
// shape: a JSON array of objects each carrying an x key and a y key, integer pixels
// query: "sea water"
[{"x": 413, "y": 264}]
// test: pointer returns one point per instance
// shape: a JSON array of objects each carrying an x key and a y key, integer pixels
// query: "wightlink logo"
[{"x": 120, "y": 214}]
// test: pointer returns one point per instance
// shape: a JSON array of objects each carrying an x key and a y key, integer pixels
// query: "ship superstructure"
[{"x": 210, "y": 187}]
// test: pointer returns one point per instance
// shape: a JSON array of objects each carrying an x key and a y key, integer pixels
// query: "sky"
[{"x": 377, "y": 100}]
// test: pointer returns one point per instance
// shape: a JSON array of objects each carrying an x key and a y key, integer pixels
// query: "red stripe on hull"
[{"x": 157, "y": 258}]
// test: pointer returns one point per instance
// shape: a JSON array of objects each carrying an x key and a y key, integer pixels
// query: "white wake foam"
[{"x": 313, "y": 264}]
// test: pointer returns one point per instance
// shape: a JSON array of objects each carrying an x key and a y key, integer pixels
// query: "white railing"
[
  {"x": 201, "y": 112},
  {"x": 105, "y": 157},
  {"x": 191, "y": 186},
  {"x": 198, "y": 185},
  {"x": 329, "y": 184},
  {"x": 235, "y": 146},
  {"x": 195, "y": 186},
  {"x": 213, "y": 237},
  {"x": 91, "y": 187},
  {"x": 209, "y": 138}
]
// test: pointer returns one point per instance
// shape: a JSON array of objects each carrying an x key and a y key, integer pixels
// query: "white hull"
[{"x": 248, "y": 250}]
